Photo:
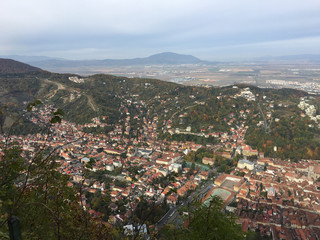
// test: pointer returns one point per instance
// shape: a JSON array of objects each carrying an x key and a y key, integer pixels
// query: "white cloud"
[{"x": 59, "y": 25}]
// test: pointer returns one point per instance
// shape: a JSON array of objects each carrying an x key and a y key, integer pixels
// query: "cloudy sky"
[{"x": 208, "y": 29}]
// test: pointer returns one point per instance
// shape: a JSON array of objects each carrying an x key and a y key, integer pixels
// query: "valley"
[{"x": 133, "y": 143}]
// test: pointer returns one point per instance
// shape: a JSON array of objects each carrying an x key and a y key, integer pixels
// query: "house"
[
  {"x": 248, "y": 151},
  {"x": 130, "y": 230},
  {"x": 204, "y": 175},
  {"x": 85, "y": 160},
  {"x": 117, "y": 164},
  {"x": 209, "y": 161},
  {"x": 163, "y": 161},
  {"x": 314, "y": 171},
  {"x": 175, "y": 167},
  {"x": 172, "y": 199},
  {"x": 112, "y": 151},
  {"x": 245, "y": 164},
  {"x": 109, "y": 167},
  {"x": 271, "y": 192},
  {"x": 225, "y": 154}
]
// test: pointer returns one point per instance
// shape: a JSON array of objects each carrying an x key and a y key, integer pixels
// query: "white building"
[
  {"x": 245, "y": 164},
  {"x": 175, "y": 167},
  {"x": 117, "y": 164},
  {"x": 109, "y": 167}
]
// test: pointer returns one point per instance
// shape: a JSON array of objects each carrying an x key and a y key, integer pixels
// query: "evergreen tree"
[{"x": 206, "y": 222}]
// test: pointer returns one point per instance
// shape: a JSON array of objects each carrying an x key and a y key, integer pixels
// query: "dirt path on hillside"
[
  {"x": 91, "y": 103},
  {"x": 59, "y": 87}
]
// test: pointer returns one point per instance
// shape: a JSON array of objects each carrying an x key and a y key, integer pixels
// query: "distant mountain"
[
  {"x": 9, "y": 66},
  {"x": 29, "y": 59},
  {"x": 52, "y": 64},
  {"x": 293, "y": 58},
  {"x": 167, "y": 58}
]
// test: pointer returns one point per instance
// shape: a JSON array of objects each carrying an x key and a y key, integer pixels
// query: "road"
[
  {"x": 184, "y": 108},
  {"x": 59, "y": 87},
  {"x": 173, "y": 213}
]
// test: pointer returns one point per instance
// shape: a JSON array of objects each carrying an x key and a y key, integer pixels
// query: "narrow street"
[{"x": 173, "y": 213}]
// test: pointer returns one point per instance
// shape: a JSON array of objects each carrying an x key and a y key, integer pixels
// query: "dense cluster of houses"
[
  {"x": 275, "y": 197},
  {"x": 140, "y": 165},
  {"x": 280, "y": 198}
]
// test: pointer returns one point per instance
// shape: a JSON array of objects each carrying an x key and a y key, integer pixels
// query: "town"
[{"x": 271, "y": 196}]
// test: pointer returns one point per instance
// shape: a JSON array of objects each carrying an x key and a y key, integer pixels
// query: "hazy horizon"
[
  {"x": 122, "y": 29},
  {"x": 235, "y": 59}
]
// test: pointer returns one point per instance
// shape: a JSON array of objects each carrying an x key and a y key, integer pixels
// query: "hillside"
[
  {"x": 204, "y": 110},
  {"x": 9, "y": 66}
]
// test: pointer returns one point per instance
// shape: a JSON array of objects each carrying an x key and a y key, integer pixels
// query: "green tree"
[
  {"x": 32, "y": 189},
  {"x": 206, "y": 222}
]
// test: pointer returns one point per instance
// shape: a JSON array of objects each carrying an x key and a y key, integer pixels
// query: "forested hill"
[
  {"x": 9, "y": 66},
  {"x": 204, "y": 110}
]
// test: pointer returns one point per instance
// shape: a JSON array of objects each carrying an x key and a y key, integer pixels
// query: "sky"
[{"x": 208, "y": 29}]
